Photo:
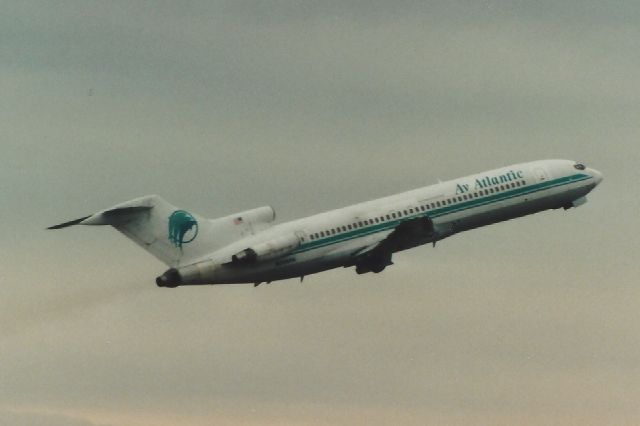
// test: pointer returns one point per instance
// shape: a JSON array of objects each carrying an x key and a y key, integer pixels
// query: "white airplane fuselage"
[
  {"x": 366, "y": 234},
  {"x": 247, "y": 247}
]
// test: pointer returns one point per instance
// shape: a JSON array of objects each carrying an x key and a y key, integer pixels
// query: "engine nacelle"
[
  {"x": 271, "y": 249},
  {"x": 258, "y": 218}
]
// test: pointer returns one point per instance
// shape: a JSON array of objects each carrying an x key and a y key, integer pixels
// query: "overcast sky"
[{"x": 222, "y": 106}]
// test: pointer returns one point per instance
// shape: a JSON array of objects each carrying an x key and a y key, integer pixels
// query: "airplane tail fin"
[{"x": 174, "y": 236}]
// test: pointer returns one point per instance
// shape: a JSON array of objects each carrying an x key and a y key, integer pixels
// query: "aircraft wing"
[{"x": 375, "y": 257}]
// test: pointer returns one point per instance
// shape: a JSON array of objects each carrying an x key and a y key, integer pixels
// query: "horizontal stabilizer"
[
  {"x": 115, "y": 216},
  {"x": 106, "y": 217},
  {"x": 70, "y": 223}
]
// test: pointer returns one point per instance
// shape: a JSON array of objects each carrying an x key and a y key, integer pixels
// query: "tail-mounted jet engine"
[{"x": 267, "y": 250}]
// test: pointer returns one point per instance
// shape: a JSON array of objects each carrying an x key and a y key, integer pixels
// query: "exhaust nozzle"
[{"x": 171, "y": 279}]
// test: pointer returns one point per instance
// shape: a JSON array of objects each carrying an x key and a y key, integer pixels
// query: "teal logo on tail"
[{"x": 183, "y": 228}]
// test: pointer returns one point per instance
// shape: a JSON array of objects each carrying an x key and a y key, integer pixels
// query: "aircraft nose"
[{"x": 597, "y": 176}]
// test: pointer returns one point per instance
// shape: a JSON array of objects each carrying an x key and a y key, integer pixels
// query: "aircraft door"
[
  {"x": 541, "y": 174},
  {"x": 302, "y": 236}
]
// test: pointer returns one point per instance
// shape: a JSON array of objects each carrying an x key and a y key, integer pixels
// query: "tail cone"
[{"x": 171, "y": 278}]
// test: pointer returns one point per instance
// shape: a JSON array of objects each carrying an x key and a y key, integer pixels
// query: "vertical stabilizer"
[{"x": 174, "y": 236}]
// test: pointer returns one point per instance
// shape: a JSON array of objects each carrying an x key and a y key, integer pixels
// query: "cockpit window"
[{"x": 579, "y": 166}]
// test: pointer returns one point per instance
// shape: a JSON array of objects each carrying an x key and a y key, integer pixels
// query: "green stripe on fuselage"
[{"x": 441, "y": 211}]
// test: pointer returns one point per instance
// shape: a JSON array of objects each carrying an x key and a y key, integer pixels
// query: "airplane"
[{"x": 247, "y": 247}]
